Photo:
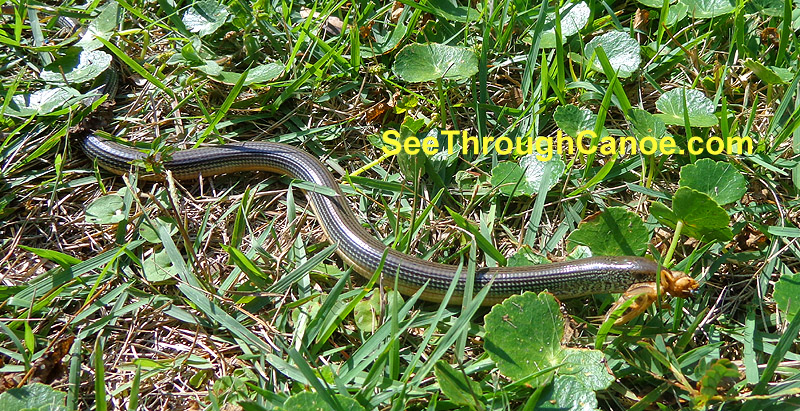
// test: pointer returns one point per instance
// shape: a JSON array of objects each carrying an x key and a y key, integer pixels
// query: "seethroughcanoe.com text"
[{"x": 545, "y": 146}]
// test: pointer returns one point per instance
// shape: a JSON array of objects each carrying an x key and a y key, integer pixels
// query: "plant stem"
[{"x": 674, "y": 244}]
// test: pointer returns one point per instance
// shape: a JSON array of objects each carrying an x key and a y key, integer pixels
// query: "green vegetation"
[{"x": 122, "y": 293}]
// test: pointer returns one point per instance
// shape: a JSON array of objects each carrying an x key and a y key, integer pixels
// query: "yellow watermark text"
[{"x": 586, "y": 142}]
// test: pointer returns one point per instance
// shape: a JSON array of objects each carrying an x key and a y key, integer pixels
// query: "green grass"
[{"x": 225, "y": 290}]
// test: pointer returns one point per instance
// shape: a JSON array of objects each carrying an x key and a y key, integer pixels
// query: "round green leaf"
[
  {"x": 572, "y": 120},
  {"x": 664, "y": 214},
  {"x": 721, "y": 181},
  {"x": 40, "y": 102},
  {"x": 256, "y": 75},
  {"x": 507, "y": 176},
  {"x": 77, "y": 67},
  {"x": 574, "y": 17},
  {"x": 306, "y": 311},
  {"x": 523, "y": 335},
  {"x": 676, "y": 13},
  {"x": 367, "y": 312},
  {"x": 787, "y": 294},
  {"x": 615, "y": 231},
  {"x": 417, "y": 63},
  {"x": 210, "y": 67},
  {"x": 786, "y": 75},
  {"x": 703, "y": 9},
  {"x": 568, "y": 393},
  {"x": 205, "y": 17},
  {"x": 150, "y": 233},
  {"x": 101, "y": 26},
  {"x": 106, "y": 210},
  {"x": 158, "y": 267},
  {"x": 526, "y": 177},
  {"x": 587, "y": 366},
  {"x": 535, "y": 170},
  {"x": 621, "y": 49},
  {"x": 703, "y": 218},
  {"x": 579, "y": 252},
  {"x": 700, "y": 108},
  {"x": 699, "y": 210},
  {"x": 39, "y": 397},
  {"x": 582, "y": 373},
  {"x": 644, "y": 124},
  {"x": 313, "y": 401},
  {"x": 526, "y": 256}
]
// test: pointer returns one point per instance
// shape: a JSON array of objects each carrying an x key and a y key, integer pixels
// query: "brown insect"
[
  {"x": 640, "y": 19},
  {"x": 366, "y": 30},
  {"x": 771, "y": 36},
  {"x": 375, "y": 112}
]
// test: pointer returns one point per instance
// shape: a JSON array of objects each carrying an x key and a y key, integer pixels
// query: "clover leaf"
[{"x": 523, "y": 336}]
